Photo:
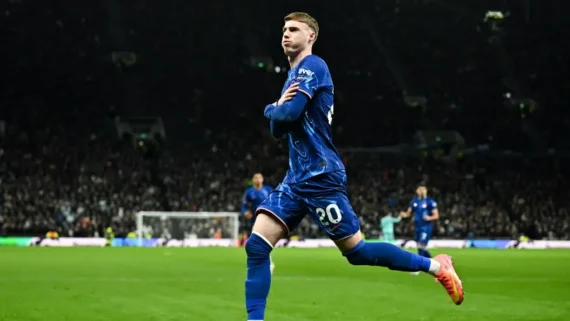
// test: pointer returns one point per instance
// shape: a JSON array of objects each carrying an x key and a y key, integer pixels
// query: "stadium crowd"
[{"x": 64, "y": 167}]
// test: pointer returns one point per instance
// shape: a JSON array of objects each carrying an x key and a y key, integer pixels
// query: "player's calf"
[
  {"x": 258, "y": 279},
  {"x": 359, "y": 252},
  {"x": 266, "y": 233},
  {"x": 395, "y": 258}
]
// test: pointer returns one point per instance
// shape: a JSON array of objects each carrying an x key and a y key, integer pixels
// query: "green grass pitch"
[{"x": 206, "y": 284}]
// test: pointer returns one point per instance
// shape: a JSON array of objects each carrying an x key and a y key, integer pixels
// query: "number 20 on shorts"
[{"x": 330, "y": 215}]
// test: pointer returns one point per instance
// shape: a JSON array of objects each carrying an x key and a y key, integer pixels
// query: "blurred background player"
[
  {"x": 109, "y": 236},
  {"x": 252, "y": 198},
  {"x": 387, "y": 226},
  {"x": 425, "y": 213}
]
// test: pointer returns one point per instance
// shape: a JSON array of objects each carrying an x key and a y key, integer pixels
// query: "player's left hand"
[
  {"x": 426, "y": 218},
  {"x": 288, "y": 94}
]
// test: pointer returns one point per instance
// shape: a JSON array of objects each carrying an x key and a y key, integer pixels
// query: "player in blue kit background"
[
  {"x": 252, "y": 198},
  {"x": 425, "y": 213},
  {"x": 316, "y": 182}
]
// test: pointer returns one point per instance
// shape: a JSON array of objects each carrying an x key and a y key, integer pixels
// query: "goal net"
[{"x": 187, "y": 229}]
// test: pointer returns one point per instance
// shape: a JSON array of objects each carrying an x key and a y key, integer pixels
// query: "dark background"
[{"x": 425, "y": 91}]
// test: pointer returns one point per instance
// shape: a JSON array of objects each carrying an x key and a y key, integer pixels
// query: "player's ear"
[{"x": 312, "y": 37}]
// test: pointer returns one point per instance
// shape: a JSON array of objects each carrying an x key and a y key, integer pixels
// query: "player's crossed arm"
[
  {"x": 289, "y": 107},
  {"x": 289, "y": 94}
]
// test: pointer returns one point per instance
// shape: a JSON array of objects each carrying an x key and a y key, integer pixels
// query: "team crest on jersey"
[{"x": 424, "y": 205}]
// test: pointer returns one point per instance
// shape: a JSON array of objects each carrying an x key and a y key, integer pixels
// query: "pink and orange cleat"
[{"x": 449, "y": 279}]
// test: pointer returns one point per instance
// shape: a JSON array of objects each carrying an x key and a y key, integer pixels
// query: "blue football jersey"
[
  {"x": 254, "y": 197},
  {"x": 422, "y": 207},
  {"x": 311, "y": 148}
]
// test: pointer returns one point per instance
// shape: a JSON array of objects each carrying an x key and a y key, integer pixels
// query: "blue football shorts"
[{"x": 323, "y": 197}]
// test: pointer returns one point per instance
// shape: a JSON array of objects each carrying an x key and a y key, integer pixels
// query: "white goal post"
[{"x": 187, "y": 226}]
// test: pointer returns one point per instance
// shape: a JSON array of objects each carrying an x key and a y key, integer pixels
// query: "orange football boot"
[{"x": 449, "y": 279}]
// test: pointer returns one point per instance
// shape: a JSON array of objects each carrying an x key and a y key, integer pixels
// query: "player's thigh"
[
  {"x": 278, "y": 215},
  {"x": 335, "y": 216},
  {"x": 269, "y": 228}
]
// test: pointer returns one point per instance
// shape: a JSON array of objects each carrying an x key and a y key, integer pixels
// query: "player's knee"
[{"x": 257, "y": 246}]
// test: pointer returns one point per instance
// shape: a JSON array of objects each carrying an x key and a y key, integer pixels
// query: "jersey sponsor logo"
[{"x": 303, "y": 71}]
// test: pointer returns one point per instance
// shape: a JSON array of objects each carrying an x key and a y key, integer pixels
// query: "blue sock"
[
  {"x": 258, "y": 279},
  {"x": 388, "y": 255},
  {"x": 424, "y": 252}
]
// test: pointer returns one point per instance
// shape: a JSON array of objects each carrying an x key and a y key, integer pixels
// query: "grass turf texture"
[{"x": 206, "y": 284}]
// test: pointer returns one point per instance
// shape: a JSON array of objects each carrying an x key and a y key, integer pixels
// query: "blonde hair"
[{"x": 306, "y": 19}]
